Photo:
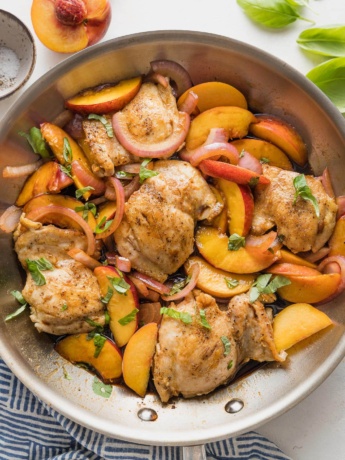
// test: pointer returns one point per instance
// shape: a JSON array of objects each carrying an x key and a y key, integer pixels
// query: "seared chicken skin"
[
  {"x": 193, "y": 360},
  {"x": 157, "y": 231},
  {"x": 297, "y": 223},
  {"x": 71, "y": 294}
]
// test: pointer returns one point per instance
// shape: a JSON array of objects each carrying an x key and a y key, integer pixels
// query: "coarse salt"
[{"x": 9, "y": 67}]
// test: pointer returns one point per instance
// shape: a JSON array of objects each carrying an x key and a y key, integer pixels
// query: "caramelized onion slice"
[
  {"x": 10, "y": 219},
  {"x": 19, "y": 171},
  {"x": 175, "y": 72},
  {"x": 215, "y": 150},
  {"x": 328, "y": 266},
  {"x": 120, "y": 208},
  {"x": 46, "y": 214},
  {"x": 151, "y": 283},
  {"x": 195, "y": 270},
  {"x": 87, "y": 178},
  {"x": 80, "y": 256}
]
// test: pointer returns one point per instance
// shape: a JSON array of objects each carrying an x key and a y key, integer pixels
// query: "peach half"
[{"x": 297, "y": 322}]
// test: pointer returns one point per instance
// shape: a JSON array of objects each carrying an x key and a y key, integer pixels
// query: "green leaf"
[
  {"x": 231, "y": 284},
  {"x": 181, "y": 315},
  {"x": 264, "y": 285},
  {"x": 19, "y": 297},
  {"x": 203, "y": 319},
  {"x": 99, "y": 341},
  {"x": 270, "y": 13},
  {"x": 108, "y": 295},
  {"x": 230, "y": 364},
  {"x": 227, "y": 345},
  {"x": 106, "y": 123},
  {"x": 81, "y": 191},
  {"x": 327, "y": 41},
  {"x": 236, "y": 242},
  {"x": 128, "y": 318},
  {"x": 67, "y": 151},
  {"x": 119, "y": 284},
  {"x": 330, "y": 78},
  {"x": 101, "y": 389},
  {"x": 103, "y": 225},
  {"x": 64, "y": 307},
  {"x": 177, "y": 287},
  {"x": 86, "y": 208},
  {"x": 16, "y": 313},
  {"x": 297, "y": 2},
  {"x": 36, "y": 142},
  {"x": 303, "y": 190},
  {"x": 35, "y": 267},
  {"x": 123, "y": 175},
  {"x": 66, "y": 170},
  {"x": 146, "y": 173}
]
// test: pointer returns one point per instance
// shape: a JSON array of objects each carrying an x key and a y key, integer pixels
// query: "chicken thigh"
[
  {"x": 157, "y": 231},
  {"x": 192, "y": 359},
  {"x": 71, "y": 294},
  {"x": 296, "y": 222}
]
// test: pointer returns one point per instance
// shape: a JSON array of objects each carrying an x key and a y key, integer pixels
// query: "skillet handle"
[{"x": 194, "y": 453}]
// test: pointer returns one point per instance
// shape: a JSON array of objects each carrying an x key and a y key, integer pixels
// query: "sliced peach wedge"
[
  {"x": 216, "y": 282},
  {"x": 137, "y": 358},
  {"x": 337, "y": 240},
  {"x": 281, "y": 134},
  {"x": 234, "y": 173},
  {"x": 235, "y": 120},
  {"x": 254, "y": 257},
  {"x": 215, "y": 94},
  {"x": 105, "y": 361},
  {"x": 105, "y": 99},
  {"x": 297, "y": 322},
  {"x": 122, "y": 304}
]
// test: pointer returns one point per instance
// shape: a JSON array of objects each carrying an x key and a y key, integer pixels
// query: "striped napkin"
[{"x": 30, "y": 430}]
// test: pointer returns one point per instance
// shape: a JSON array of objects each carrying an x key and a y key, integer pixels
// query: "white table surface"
[{"x": 315, "y": 429}]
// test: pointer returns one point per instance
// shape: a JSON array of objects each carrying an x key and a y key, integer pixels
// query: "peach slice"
[
  {"x": 234, "y": 173},
  {"x": 264, "y": 151},
  {"x": 337, "y": 240},
  {"x": 47, "y": 179},
  {"x": 137, "y": 358},
  {"x": 220, "y": 221},
  {"x": 120, "y": 305},
  {"x": 107, "y": 211},
  {"x": 240, "y": 205},
  {"x": 310, "y": 288},
  {"x": 108, "y": 98},
  {"x": 291, "y": 258},
  {"x": 281, "y": 134},
  {"x": 285, "y": 268},
  {"x": 64, "y": 201},
  {"x": 67, "y": 26},
  {"x": 297, "y": 322},
  {"x": 55, "y": 138},
  {"x": 218, "y": 283},
  {"x": 213, "y": 246},
  {"x": 215, "y": 94},
  {"x": 235, "y": 120},
  {"x": 79, "y": 349}
]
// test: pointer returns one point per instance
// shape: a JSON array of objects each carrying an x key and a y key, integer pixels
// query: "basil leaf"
[
  {"x": 86, "y": 208},
  {"x": 103, "y": 225},
  {"x": 19, "y": 297},
  {"x": 227, "y": 345},
  {"x": 81, "y": 191},
  {"x": 264, "y": 160},
  {"x": 93, "y": 323},
  {"x": 270, "y": 13},
  {"x": 303, "y": 190},
  {"x": 181, "y": 315},
  {"x": 119, "y": 284},
  {"x": 99, "y": 341},
  {"x": 123, "y": 175},
  {"x": 177, "y": 287},
  {"x": 236, "y": 242},
  {"x": 66, "y": 170},
  {"x": 101, "y": 389},
  {"x": 231, "y": 284},
  {"x": 16, "y": 313},
  {"x": 35, "y": 267},
  {"x": 36, "y": 142},
  {"x": 108, "y": 295},
  {"x": 64, "y": 307},
  {"x": 263, "y": 285},
  {"x": 326, "y": 41},
  {"x": 106, "y": 123},
  {"x": 128, "y": 318},
  {"x": 145, "y": 173},
  {"x": 203, "y": 319},
  {"x": 67, "y": 151},
  {"x": 230, "y": 364},
  {"x": 330, "y": 78}
]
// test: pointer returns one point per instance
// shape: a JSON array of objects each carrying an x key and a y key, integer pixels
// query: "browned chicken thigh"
[
  {"x": 157, "y": 231},
  {"x": 192, "y": 359},
  {"x": 71, "y": 294},
  {"x": 297, "y": 222}
]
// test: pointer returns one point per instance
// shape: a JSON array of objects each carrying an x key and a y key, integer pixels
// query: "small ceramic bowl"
[{"x": 17, "y": 54}]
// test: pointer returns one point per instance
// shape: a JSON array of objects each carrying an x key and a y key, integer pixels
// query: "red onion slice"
[
  {"x": 248, "y": 161},
  {"x": 154, "y": 77},
  {"x": 19, "y": 171},
  {"x": 190, "y": 104},
  {"x": 340, "y": 260},
  {"x": 316, "y": 256},
  {"x": 195, "y": 270},
  {"x": 151, "y": 283},
  {"x": 87, "y": 178},
  {"x": 120, "y": 208},
  {"x": 132, "y": 187},
  {"x": 140, "y": 286},
  {"x": 217, "y": 149},
  {"x": 45, "y": 213},
  {"x": 341, "y": 206},
  {"x": 80, "y": 256},
  {"x": 10, "y": 219},
  {"x": 327, "y": 184},
  {"x": 123, "y": 264},
  {"x": 175, "y": 72}
]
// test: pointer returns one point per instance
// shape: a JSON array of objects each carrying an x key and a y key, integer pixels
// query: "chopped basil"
[
  {"x": 241, "y": 155},
  {"x": 36, "y": 267},
  {"x": 227, "y": 344},
  {"x": 144, "y": 172},
  {"x": 303, "y": 190},
  {"x": 86, "y": 208},
  {"x": 231, "y": 284},
  {"x": 264, "y": 160},
  {"x": 177, "y": 287},
  {"x": 106, "y": 317},
  {"x": 253, "y": 182},
  {"x": 81, "y": 191},
  {"x": 93, "y": 323},
  {"x": 66, "y": 374},
  {"x": 67, "y": 169},
  {"x": 185, "y": 317},
  {"x": 119, "y": 284},
  {"x": 236, "y": 242},
  {"x": 99, "y": 341},
  {"x": 19, "y": 297},
  {"x": 106, "y": 123},
  {"x": 36, "y": 141},
  {"x": 67, "y": 151},
  {"x": 203, "y": 319},
  {"x": 263, "y": 285},
  {"x": 108, "y": 295},
  {"x": 230, "y": 364},
  {"x": 128, "y": 318},
  {"x": 101, "y": 389},
  {"x": 103, "y": 225},
  {"x": 64, "y": 307},
  {"x": 124, "y": 175}
]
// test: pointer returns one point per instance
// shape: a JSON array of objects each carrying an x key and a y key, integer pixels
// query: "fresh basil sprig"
[
  {"x": 330, "y": 78},
  {"x": 264, "y": 285},
  {"x": 271, "y": 13},
  {"x": 326, "y": 41},
  {"x": 105, "y": 122},
  {"x": 36, "y": 142},
  {"x": 36, "y": 267},
  {"x": 303, "y": 190}
]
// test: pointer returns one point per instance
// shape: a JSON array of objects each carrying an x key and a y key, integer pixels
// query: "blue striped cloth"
[{"x": 30, "y": 430}]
